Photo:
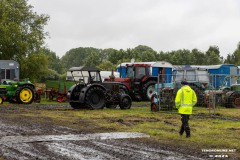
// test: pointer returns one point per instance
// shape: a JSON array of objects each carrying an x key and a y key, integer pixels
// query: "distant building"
[{"x": 9, "y": 70}]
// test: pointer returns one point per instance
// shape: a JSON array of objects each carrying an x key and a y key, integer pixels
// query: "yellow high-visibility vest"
[{"x": 185, "y": 100}]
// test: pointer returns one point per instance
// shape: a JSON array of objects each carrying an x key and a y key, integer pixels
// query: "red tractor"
[{"x": 139, "y": 82}]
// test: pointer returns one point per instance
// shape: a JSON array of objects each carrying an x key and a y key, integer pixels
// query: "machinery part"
[
  {"x": 25, "y": 94},
  {"x": 37, "y": 97},
  {"x": 200, "y": 95},
  {"x": 123, "y": 90},
  {"x": 125, "y": 101},
  {"x": 232, "y": 99},
  {"x": 1, "y": 100},
  {"x": 111, "y": 106},
  {"x": 95, "y": 98},
  {"x": 148, "y": 90}
]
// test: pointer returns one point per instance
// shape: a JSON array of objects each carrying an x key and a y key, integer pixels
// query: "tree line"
[{"x": 23, "y": 40}]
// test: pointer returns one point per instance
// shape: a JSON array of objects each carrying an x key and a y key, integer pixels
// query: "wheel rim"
[
  {"x": 97, "y": 100},
  {"x": 236, "y": 101},
  {"x": 150, "y": 91},
  {"x": 125, "y": 102},
  {"x": 26, "y": 95}
]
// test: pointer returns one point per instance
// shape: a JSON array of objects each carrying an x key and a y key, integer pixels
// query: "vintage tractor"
[
  {"x": 139, "y": 78},
  {"x": 198, "y": 80},
  {"x": 17, "y": 92},
  {"x": 90, "y": 92},
  {"x": 231, "y": 98},
  {"x": 225, "y": 96}
]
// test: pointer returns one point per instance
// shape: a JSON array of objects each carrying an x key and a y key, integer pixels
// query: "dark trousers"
[{"x": 185, "y": 126}]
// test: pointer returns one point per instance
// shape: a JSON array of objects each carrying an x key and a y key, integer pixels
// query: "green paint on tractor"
[{"x": 22, "y": 92}]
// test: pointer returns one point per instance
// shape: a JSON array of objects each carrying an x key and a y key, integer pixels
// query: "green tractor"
[{"x": 17, "y": 92}]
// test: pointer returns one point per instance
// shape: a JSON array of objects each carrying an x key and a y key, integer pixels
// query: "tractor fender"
[
  {"x": 70, "y": 90},
  {"x": 27, "y": 84},
  {"x": 85, "y": 89}
]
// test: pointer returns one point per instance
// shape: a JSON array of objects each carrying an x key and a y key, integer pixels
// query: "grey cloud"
[{"x": 164, "y": 25}]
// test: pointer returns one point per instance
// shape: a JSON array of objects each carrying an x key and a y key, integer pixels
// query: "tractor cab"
[
  {"x": 86, "y": 75},
  {"x": 137, "y": 71},
  {"x": 197, "y": 78}
]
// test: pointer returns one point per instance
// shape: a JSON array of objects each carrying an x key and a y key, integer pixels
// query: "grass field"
[{"x": 210, "y": 129}]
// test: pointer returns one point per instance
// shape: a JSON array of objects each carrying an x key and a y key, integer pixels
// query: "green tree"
[
  {"x": 213, "y": 56},
  {"x": 198, "y": 57},
  {"x": 21, "y": 29},
  {"x": 139, "y": 51},
  {"x": 77, "y": 57},
  {"x": 147, "y": 56},
  {"x": 235, "y": 57},
  {"x": 54, "y": 61},
  {"x": 34, "y": 67},
  {"x": 93, "y": 59},
  {"x": 112, "y": 55},
  {"x": 107, "y": 66}
]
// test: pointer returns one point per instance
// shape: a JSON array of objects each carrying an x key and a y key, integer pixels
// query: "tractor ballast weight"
[
  {"x": 90, "y": 92},
  {"x": 22, "y": 92}
]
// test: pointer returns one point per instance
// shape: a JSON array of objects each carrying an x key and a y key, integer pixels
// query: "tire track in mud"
[
  {"x": 85, "y": 150},
  {"x": 24, "y": 147},
  {"x": 56, "y": 149}
]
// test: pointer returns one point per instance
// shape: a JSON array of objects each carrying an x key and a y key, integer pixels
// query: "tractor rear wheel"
[
  {"x": 233, "y": 99},
  {"x": 125, "y": 102},
  {"x": 25, "y": 94},
  {"x": 95, "y": 98},
  {"x": 148, "y": 90}
]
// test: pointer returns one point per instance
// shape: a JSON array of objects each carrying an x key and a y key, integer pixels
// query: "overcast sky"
[{"x": 163, "y": 25}]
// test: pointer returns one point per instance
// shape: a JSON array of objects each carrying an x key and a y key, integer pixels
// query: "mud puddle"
[
  {"x": 97, "y": 146},
  {"x": 72, "y": 137}
]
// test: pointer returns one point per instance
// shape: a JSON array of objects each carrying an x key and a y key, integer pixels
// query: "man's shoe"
[{"x": 187, "y": 136}]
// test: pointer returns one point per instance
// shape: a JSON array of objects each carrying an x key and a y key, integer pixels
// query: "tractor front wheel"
[
  {"x": 125, "y": 102},
  {"x": 1, "y": 100},
  {"x": 25, "y": 94},
  {"x": 95, "y": 98}
]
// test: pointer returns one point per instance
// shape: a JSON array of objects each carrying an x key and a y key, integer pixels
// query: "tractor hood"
[{"x": 119, "y": 79}]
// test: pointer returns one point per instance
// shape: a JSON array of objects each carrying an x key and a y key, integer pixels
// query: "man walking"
[{"x": 185, "y": 100}]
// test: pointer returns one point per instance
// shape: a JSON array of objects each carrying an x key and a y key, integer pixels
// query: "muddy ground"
[{"x": 25, "y": 138}]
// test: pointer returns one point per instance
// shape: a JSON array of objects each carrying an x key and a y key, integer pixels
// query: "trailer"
[{"x": 57, "y": 90}]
